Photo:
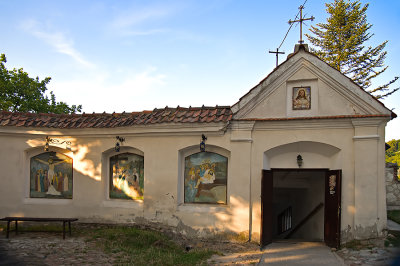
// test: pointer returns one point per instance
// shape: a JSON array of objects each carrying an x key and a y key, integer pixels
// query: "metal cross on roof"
[
  {"x": 301, "y": 21},
  {"x": 277, "y": 53}
]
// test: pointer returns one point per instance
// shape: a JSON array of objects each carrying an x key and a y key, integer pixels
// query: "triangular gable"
[{"x": 305, "y": 86}]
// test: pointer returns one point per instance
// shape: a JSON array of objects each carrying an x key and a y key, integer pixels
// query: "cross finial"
[
  {"x": 277, "y": 52},
  {"x": 301, "y": 20}
]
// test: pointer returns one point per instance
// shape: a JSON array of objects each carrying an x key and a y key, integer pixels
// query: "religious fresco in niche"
[
  {"x": 127, "y": 176},
  {"x": 301, "y": 98},
  {"x": 51, "y": 176},
  {"x": 205, "y": 178}
]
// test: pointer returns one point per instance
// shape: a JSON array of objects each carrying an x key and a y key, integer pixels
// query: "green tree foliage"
[
  {"x": 341, "y": 43},
  {"x": 21, "y": 93},
  {"x": 393, "y": 154}
]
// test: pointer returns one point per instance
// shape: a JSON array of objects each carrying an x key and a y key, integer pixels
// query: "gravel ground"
[
  {"x": 39, "y": 248},
  {"x": 50, "y": 249},
  {"x": 370, "y": 252}
]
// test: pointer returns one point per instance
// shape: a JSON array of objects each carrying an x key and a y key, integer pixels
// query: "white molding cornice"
[
  {"x": 303, "y": 124},
  {"x": 141, "y": 130},
  {"x": 242, "y": 140},
  {"x": 242, "y": 125},
  {"x": 333, "y": 78},
  {"x": 366, "y": 137},
  {"x": 369, "y": 122}
]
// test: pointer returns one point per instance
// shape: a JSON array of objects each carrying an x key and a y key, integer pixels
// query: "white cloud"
[
  {"x": 127, "y": 32},
  {"x": 97, "y": 94},
  {"x": 141, "y": 82},
  {"x": 133, "y": 21},
  {"x": 57, "y": 40},
  {"x": 134, "y": 17}
]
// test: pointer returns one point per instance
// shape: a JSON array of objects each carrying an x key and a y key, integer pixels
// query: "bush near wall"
[{"x": 393, "y": 153}]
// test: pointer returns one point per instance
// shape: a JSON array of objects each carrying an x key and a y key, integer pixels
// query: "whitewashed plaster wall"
[
  {"x": 250, "y": 146},
  {"x": 337, "y": 144},
  {"x": 163, "y": 188}
]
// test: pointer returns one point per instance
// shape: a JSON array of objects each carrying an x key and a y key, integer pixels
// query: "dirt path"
[
  {"x": 40, "y": 248},
  {"x": 50, "y": 249}
]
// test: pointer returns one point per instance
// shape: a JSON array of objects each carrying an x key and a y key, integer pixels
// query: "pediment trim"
[{"x": 363, "y": 102}]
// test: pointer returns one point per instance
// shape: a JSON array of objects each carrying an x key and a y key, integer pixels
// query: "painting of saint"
[
  {"x": 205, "y": 178},
  {"x": 126, "y": 176},
  {"x": 51, "y": 176},
  {"x": 301, "y": 98}
]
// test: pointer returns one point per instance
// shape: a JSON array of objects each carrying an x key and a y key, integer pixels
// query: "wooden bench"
[{"x": 30, "y": 219}]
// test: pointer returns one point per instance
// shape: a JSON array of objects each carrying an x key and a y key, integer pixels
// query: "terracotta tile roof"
[{"x": 105, "y": 120}]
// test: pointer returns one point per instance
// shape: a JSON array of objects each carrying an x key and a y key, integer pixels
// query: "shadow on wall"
[
  {"x": 83, "y": 164},
  {"x": 83, "y": 158},
  {"x": 225, "y": 221},
  {"x": 236, "y": 216},
  {"x": 90, "y": 166},
  {"x": 88, "y": 183}
]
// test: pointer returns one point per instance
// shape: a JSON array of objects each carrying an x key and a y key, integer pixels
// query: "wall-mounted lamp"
[
  {"x": 299, "y": 160},
  {"x": 46, "y": 146},
  {"x": 120, "y": 140},
  {"x": 57, "y": 142},
  {"x": 203, "y": 143}
]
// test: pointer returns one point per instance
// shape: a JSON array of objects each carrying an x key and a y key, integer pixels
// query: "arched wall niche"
[
  {"x": 191, "y": 150},
  {"x": 314, "y": 154},
  {"x": 105, "y": 176},
  {"x": 33, "y": 152}
]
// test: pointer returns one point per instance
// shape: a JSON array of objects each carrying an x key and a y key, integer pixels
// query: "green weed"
[
  {"x": 394, "y": 215},
  {"x": 130, "y": 245},
  {"x": 393, "y": 239},
  {"x": 146, "y": 247}
]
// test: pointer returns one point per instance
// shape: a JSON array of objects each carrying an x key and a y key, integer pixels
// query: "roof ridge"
[
  {"x": 110, "y": 120},
  {"x": 301, "y": 49}
]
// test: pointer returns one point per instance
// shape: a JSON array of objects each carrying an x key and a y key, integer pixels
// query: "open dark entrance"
[{"x": 301, "y": 204}]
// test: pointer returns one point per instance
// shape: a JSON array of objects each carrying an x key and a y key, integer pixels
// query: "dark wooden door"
[
  {"x": 266, "y": 207},
  {"x": 333, "y": 189}
]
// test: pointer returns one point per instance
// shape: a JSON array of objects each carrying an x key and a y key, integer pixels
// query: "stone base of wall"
[
  {"x": 393, "y": 208},
  {"x": 392, "y": 187}
]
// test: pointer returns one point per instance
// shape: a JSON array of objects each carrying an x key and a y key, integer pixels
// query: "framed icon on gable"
[{"x": 301, "y": 98}]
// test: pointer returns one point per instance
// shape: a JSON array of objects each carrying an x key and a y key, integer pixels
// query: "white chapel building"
[{"x": 301, "y": 155}]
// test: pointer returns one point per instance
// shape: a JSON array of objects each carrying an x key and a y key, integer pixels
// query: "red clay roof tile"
[
  {"x": 104, "y": 120},
  {"x": 165, "y": 115}
]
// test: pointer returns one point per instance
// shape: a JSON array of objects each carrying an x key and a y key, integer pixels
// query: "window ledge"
[
  {"x": 203, "y": 208},
  {"x": 47, "y": 201}
]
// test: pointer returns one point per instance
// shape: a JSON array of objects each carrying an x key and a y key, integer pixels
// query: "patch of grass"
[
  {"x": 145, "y": 247},
  {"x": 354, "y": 244},
  {"x": 394, "y": 215},
  {"x": 132, "y": 246},
  {"x": 34, "y": 228},
  {"x": 393, "y": 239},
  {"x": 241, "y": 237}
]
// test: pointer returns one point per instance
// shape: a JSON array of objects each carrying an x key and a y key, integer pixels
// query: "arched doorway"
[{"x": 301, "y": 203}]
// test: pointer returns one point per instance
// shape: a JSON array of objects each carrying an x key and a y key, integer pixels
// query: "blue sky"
[{"x": 139, "y": 55}]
